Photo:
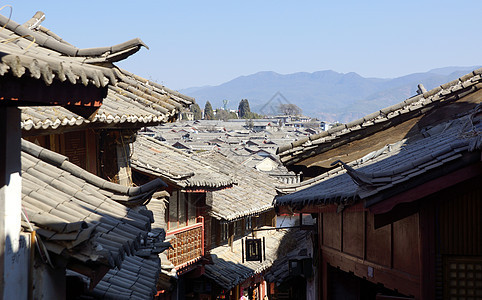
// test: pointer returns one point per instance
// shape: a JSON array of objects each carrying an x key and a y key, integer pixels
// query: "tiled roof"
[
  {"x": 228, "y": 270},
  {"x": 311, "y": 145},
  {"x": 32, "y": 50},
  {"x": 153, "y": 157},
  {"x": 136, "y": 279},
  {"x": 27, "y": 51},
  {"x": 79, "y": 215},
  {"x": 393, "y": 166},
  {"x": 279, "y": 271},
  {"x": 253, "y": 194}
]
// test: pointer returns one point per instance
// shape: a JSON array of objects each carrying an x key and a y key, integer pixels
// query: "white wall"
[{"x": 14, "y": 248}]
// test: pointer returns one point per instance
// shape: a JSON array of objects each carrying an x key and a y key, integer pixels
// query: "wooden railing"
[{"x": 188, "y": 244}]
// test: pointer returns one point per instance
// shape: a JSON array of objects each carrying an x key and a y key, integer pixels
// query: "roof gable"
[
  {"x": 181, "y": 169},
  {"x": 442, "y": 149},
  {"x": 307, "y": 150},
  {"x": 34, "y": 52},
  {"x": 79, "y": 215},
  {"x": 252, "y": 195}
]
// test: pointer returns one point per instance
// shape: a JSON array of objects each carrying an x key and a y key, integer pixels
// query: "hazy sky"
[{"x": 196, "y": 43}]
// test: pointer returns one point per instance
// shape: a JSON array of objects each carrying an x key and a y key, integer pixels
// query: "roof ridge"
[
  {"x": 63, "y": 163},
  {"x": 66, "y": 49},
  {"x": 458, "y": 87}
]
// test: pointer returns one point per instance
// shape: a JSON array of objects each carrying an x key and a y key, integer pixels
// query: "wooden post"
[
  {"x": 13, "y": 258},
  {"x": 427, "y": 249}
]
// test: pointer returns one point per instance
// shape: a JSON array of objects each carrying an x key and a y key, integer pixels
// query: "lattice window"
[
  {"x": 224, "y": 231},
  {"x": 75, "y": 148},
  {"x": 187, "y": 246},
  {"x": 463, "y": 277}
]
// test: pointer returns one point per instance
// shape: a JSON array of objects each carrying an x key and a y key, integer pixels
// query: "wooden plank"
[
  {"x": 406, "y": 245},
  {"x": 460, "y": 219},
  {"x": 92, "y": 151},
  {"x": 427, "y": 249},
  {"x": 332, "y": 230},
  {"x": 361, "y": 146},
  {"x": 353, "y": 233},
  {"x": 378, "y": 243}
]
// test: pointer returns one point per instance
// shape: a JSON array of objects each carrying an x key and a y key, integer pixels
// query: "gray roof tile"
[
  {"x": 68, "y": 210},
  {"x": 135, "y": 280},
  {"x": 177, "y": 167},
  {"x": 455, "y": 89},
  {"x": 131, "y": 99},
  {"x": 391, "y": 165},
  {"x": 253, "y": 193}
]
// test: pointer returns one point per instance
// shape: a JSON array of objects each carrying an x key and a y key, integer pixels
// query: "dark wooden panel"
[
  {"x": 92, "y": 151},
  {"x": 332, "y": 230},
  {"x": 74, "y": 147},
  {"x": 378, "y": 243},
  {"x": 406, "y": 256},
  {"x": 353, "y": 233},
  {"x": 460, "y": 218}
]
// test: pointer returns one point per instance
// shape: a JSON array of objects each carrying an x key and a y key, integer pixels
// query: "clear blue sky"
[{"x": 196, "y": 43}]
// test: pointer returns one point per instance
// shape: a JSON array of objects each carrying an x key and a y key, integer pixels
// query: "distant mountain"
[{"x": 327, "y": 95}]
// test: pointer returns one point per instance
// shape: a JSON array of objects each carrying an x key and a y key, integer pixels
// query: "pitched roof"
[
  {"x": 79, "y": 215},
  {"x": 227, "y": 268},
  {"x": 300, "y": 241},
  {"x": 32, "y": 50},
  {"x": 253, "y": 194},
  {"x": 158, "y": 159},
  {"x": 136, "y": 279},
  {"x": 334, "y": 137},
  {"x": 440, "y": 150},
  {"x": 29, "y": 51}
]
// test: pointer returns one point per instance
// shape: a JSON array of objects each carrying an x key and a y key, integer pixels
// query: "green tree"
[
  {"x": 208, "y": 111},
  {"x": 198, "y": 115},
  {"x": 243, "y": 109},
  {"x": 222, "y": 114}
]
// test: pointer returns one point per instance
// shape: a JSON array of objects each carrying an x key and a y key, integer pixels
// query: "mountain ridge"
[{"x": 327, "y": 94}]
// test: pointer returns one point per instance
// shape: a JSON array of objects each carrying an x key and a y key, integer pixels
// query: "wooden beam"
[
  {"x": 28, "y": 91},
  {"x": 391, "y": 278},
  {"x": 318, "y": 208}
]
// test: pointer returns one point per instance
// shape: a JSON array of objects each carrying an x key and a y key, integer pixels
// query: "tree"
[
  {"x": 208, "y": 111},
  {"x": 289, "y": 109},
  {"x": 243, "y": 109},
  {"x": 222, "y": 114},
  {"x": 198, "y": 115}
]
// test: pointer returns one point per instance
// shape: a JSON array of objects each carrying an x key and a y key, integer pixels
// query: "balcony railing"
[{"x": 188, "y": 244}]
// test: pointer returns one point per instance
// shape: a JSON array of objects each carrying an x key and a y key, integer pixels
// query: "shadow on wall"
[{"x": 16, "y": 264}]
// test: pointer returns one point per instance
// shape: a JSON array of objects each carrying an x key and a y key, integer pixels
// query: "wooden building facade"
[{"x": 397, "y": 198}]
